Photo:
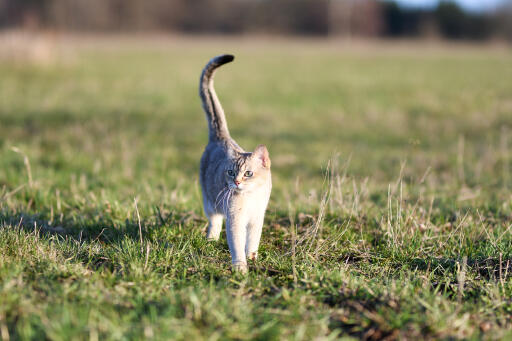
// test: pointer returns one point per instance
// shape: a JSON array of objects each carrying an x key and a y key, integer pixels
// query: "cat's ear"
[{"x": 261, "y": 153}]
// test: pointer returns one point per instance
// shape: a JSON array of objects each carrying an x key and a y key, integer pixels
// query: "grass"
[{"x": 390, "y": 216}]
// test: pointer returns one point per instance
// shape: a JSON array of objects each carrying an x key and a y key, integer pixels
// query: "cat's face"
[{"x": 248, "y": 171}]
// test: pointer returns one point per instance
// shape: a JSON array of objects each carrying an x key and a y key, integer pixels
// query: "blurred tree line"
[
  {"x": 448, "y": 20},
  {"x": 350, "y": 18}
]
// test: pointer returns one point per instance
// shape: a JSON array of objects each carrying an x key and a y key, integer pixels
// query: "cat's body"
[{"x": 235, "y": 184}]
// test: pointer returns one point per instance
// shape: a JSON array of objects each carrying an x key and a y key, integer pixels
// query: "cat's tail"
[{"x": 214, "y": 112}]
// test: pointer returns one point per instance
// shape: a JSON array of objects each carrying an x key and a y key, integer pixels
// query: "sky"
[{"x": 471, "y": 5}]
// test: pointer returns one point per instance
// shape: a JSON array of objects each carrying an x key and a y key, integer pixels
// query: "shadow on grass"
[
  {"x": 85, "y": 232},
  {"x": 486, "y": 268},
  {"x": 358, "y": 306},
  {"x": 89, "y": 226}
]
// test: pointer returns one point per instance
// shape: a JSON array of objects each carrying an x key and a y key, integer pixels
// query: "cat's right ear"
[{"x": 261, "y": 153}]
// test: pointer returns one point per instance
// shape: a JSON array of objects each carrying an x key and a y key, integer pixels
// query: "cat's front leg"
[
  {"x": 254, "y": 229},
  {"x": 214, "y": 226},
  {"x": 236, "y": 233}
]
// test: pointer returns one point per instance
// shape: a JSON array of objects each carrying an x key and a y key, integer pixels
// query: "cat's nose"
[{"x": 236, "y": 182}]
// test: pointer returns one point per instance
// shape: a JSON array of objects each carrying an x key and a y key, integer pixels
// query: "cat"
[{"x": 235, "y": 184}]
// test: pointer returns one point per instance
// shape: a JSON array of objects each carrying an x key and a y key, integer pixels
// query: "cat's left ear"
[{"x": 261, "y": 153}]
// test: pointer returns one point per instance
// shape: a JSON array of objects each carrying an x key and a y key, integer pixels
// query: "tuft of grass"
[{"x": 390, "y": 216}]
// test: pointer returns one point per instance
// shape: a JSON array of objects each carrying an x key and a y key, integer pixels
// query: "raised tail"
[{"x": 214, "y": 112}]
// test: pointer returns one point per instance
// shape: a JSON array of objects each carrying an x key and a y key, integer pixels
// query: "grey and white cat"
[{"x": 236, "y": 184}]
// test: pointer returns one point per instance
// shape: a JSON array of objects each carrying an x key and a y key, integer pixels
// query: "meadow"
[{"x": 390, "y": 216}]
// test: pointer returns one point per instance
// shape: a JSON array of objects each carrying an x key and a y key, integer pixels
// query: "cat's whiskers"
[
  {"x": 230, "y": 194},
  {"x": 221, "y": 195},
  {"x": 227, "y": 196}
]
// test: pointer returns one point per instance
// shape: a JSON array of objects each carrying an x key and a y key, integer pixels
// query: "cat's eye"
[
  {"x": 231, "y": 173},
  {"x": 248, "y": 174}
]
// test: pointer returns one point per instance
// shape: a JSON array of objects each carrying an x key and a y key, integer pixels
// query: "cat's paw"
[
  {"x": 252, "y": 256},
  {"x": 239, "y": 267}
]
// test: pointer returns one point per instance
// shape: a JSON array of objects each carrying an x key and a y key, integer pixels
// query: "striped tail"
[{"x": 214, "y": 113}]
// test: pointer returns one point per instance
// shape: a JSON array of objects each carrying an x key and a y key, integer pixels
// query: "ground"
[{"x": 390, "y": 216}]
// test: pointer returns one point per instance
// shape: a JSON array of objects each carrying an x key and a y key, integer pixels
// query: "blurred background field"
[
  {"x": 391, "y": 208},
  {"x": 123, "y": 113}
]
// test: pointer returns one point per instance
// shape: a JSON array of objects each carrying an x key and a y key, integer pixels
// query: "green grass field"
[{"x": 390, "y": 216}]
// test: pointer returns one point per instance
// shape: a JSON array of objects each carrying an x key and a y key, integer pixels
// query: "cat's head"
[{"x": 247, "y": 171}]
